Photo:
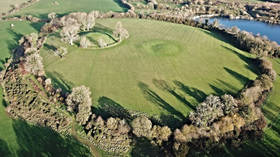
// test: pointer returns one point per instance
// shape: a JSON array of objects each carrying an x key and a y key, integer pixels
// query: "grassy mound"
[
  {"x": 162, "y": 69},
  {"x": 43, "y": 7}
]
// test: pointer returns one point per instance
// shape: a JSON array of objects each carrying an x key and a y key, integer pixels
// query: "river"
[{"x": 256, "y": 27}]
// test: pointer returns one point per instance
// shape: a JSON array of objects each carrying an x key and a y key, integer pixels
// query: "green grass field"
[
  {"x": 9, "y": 37},
  {"x": 135, "y": 74},
  {"x": 5, "y": 4},
  {"x": 43, "y": 7}
]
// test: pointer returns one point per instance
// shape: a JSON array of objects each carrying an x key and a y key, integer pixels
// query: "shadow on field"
[
  {"x": 171, "y": 121},
  {"x": 110, "y": 108},
  {"x": 59, "y": 82},
  {"x": 37, "y": 25},
  {"x": 156, "y": 99},
  {"x": 250, "y": 61},
  {"x": 12, "y": 44},
  {"x": 50, "y": 47},
  {"x": 36, "y": 141},
  {"x": 4, "y": 103},
  {"x": 241, "y": 78},
  {"x": 4, "y": 149},
  {"x": 163, "y": 85},
  {"x": 123, "y": 6},
  {"x": 144, "y": 148},
  {"x": 197, "y": 94}
]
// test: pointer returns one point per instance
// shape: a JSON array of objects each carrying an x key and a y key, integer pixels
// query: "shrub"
[
  {"x": 101, "y": 43},
  {"x": 141, "y": 126},
  {"x": 84, "y": 43},
  {"x": 79, "y": 102},
  {"x": 34, "y": 65}
]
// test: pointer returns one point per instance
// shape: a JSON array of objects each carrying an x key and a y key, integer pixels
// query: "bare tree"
[
  {"x": 70, "y": 32},
  {"x": 120, "y": 32},
  {"x": 90, "y": 20},
  {"x": 101, "y": 43},
  {"x": 84, "y": 42}
]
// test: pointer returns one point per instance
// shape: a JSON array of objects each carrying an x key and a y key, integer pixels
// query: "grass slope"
[
  {"x": 193, "y": 62},
  {"x": 5, "y": 5},
  {"x": 9, "y": 37},
  {"x": 17, "y": 138},
  {"x": 43, "y": 7}
]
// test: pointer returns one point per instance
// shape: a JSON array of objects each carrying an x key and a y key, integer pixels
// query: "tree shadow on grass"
[
  {"x": 58, "y": 81},
  {"x": 251, "y": 65},
  {"x": 110, "y": 108},
  {"x": 241, "y": 78},
  {"x": 172, "y": 121},
  {"x": 16, "y": 36},
  {"x": 163, "y": 85},
  {"x": 122, "y": 5},
  {"x": 143, "y": 148},
  {"x": 35, "y": 141},
  {"x": 50, "y": 47},
  {"x": 197, "y": 94},
  {"x": 4, "y": 103},
  {"x": 12, "y": 44},
  {"x": 4, "y": 149},
  {"x": 37, "y": 25},
  {"x": 156, "y": 99},
  {"x": 222, "y": 37}
]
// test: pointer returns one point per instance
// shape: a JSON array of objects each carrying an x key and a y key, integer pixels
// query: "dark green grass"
[
  {"x": 9, "y": 37},
  {"x": 17, "y": 138},
  {"x": 43, "y": 7},
  {"x": 163, "y": 69}
]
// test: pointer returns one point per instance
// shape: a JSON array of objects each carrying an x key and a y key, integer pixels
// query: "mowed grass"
[
  {"x": 162, "y": 69},
  {"x": 5, "y": 4},
  {"x": 43, "y": 7}
]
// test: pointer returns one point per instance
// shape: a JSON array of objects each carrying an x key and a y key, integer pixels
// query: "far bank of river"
[{"x": 256, "y": 27}]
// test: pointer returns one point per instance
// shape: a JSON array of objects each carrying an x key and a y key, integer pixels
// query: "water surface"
[{"x": 271, "y": 31}]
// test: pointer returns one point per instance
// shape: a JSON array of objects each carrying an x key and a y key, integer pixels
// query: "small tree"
[
  {"x": 141, "y": 126},
  {"x": 61, "y": 51},
  {"x": 90, "y": 20},
  {"x": 52, "y": 16},
  {"x": 84, "y": 42},
  {"x": 101, "y": 43},
  {"x": 79, "y": 102},
  {"x": 120, "y": 32},
  {"x": 69, "y": 33},
  {"x": 34, "y": 64}
]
